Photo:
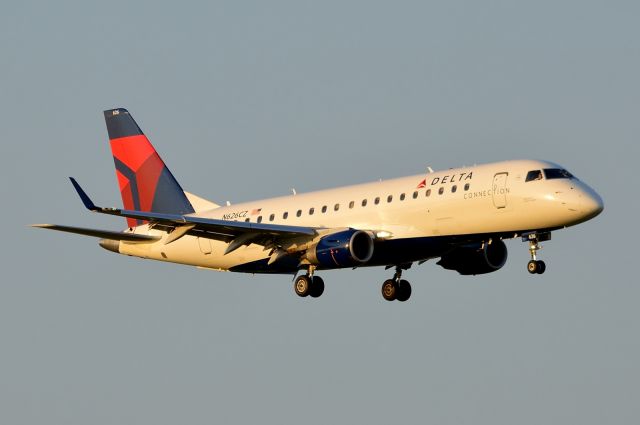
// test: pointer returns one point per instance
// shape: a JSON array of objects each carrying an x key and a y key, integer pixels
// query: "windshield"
[
  {"x": 557, "y": 173},
  {"x": 534, "y": 175}
]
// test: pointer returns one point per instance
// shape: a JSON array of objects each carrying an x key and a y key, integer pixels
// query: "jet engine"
[
  {"x": 347, "y": 248},
  {"x": 476, "y": 259}
]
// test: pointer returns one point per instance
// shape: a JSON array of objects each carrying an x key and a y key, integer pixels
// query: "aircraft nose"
[{"x": 591, "y": 204}]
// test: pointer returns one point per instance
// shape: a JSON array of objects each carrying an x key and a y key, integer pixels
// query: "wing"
[
  {"x": 105, "y": 234},
  {"x": 235, "y": 233}
]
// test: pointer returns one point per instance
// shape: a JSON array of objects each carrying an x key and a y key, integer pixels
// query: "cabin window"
[
  {"x": 389, "y": 198},
  {"x": 428, "y": 192},
  {"x": 402, "y": 196},
  {"x": 311, "y": 210},
  {"x": 466, "y": 187},
  {"x": 298, "y": 213},
  {"x": 272, "y": 217},
  {"x": 533, "y": 175},
  {"x": 336, "y": 207},
  {"x": 259, "y": 219},
  {"x": 285, "y": 215},
  {"x": 454, "y": 188},
  {"x": 441, "y": 191},
  {"x": 351, "y": 204},
  {"x": 364, "y": 202},
  {"x": 557, "y": 173},
  {"x": 324, "y": 209},
  {"x": 415, "y": 194},
  {"x": 377, "y": 200}
]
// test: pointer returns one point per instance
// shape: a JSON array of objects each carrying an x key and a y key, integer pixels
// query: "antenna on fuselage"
[
  {"x": 430, "y": 170},
  {"x": 228, "y": 203},
  {"x": 293, "y": 190}
]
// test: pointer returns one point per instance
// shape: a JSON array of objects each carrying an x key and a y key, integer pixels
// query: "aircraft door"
[
  {"x": 205, "y": 245},
  {"x": 500, "y": 190}
]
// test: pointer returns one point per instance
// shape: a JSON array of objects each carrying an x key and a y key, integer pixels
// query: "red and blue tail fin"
[{"x": 146, "y": 184}]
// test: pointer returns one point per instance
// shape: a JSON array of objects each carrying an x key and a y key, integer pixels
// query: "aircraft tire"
[
  {"x": 317, "y": 286},
  {"x": 541, "y": 267},
  {"x": 302, "y": 286},
  {"x": 404, "y": 291},
  {"x": 389, "y": 290},
  {"x": 532, "y": 267}
]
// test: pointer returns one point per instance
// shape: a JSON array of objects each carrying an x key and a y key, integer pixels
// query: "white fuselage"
[{"x": 490, "y": 199}]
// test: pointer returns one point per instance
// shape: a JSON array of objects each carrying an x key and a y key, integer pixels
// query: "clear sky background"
[{"x": 248, "y": 99}]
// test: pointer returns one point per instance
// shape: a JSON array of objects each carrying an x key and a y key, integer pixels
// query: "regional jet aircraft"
[{"x": 460, "y": 216}]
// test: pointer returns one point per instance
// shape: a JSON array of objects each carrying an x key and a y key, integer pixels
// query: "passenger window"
[
  {"x": 336, "y": 207},
  {"x": 259, "y": 219},
  {"x": 285, "y": 215},
  {"x": 534, "y": 175},
  {"x": 351, "y": 204},
  {"x": 466, "y": 187},
  {"x": 389, "y": 198},
  {"x": 428, "y": 192},
  {"x": 364, "y": 202},
  {"x": 402, "y": 196},
  {"x": 376, "y": 201},
  {"x": 454, "y": 188},
  {"x": 311, "y": 210},
  {"x": 441, "y": 191},
  {"x": 324, "y": 209},
  {"x": 415, "y": 194},
  {"x": 299, "y": 213},
  {"x": 272, "y": 217}
]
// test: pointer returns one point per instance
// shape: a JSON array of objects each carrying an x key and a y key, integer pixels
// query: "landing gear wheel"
[
  {"x": 532, "y": 267},
  {"x": 302, "y": 286},
  {"x": 317, "y": 286},
  {"x": 404, "y": 291},
  {"x": 389, "y": 290},
  {"x": 540, "y": 267}
]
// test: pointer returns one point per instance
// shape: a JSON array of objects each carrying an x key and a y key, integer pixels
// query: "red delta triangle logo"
[{"x": 422, "y": 184}]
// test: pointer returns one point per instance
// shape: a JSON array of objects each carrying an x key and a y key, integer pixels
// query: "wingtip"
[{"x": 88, "y": 203}]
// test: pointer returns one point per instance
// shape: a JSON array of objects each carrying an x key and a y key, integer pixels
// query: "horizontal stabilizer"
[{"x": 105, "y": 234}]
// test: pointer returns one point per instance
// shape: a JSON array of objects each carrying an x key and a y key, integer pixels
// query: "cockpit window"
[
  {"x": 534, "y": 175},
  {"x": 557, "y": 173}
]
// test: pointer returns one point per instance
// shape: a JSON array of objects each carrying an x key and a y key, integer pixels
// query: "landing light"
[{"x": 383, "y": 234}]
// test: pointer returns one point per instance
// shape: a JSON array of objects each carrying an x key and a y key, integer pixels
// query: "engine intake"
[
  {"x": 342, "y": 249},
  {"x": 476, "y": 259}
]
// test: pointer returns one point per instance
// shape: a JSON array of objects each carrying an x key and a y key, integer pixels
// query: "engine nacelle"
[
  {"x": 476, "y": 259},
  {"x": 342, "y": 249}
]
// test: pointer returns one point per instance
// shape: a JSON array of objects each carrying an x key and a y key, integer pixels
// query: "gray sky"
[{"x": 248, "y": 99}]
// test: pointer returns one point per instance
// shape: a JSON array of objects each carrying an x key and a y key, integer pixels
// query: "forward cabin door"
[{"x": 500, "y": 190}]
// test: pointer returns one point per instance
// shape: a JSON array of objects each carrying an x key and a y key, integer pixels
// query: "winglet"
[{"x": 88, "y": 203}]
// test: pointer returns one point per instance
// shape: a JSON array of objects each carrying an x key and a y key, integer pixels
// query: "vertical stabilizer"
[{"x": 146, "y": 184}]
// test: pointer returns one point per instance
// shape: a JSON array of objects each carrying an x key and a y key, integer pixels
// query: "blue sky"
[{"x": 247, "y": 99}]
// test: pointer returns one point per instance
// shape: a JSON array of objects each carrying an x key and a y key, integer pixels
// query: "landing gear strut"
[
  {"x": 309, "y": 284},
  {"x": 536, "y": 266},
  {"x": 396, "y": 288}
]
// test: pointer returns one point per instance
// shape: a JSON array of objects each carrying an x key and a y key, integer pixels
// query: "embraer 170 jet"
[{"x": 459, "y": 215}]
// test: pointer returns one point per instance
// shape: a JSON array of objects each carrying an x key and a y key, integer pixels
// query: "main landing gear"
[
  {"x": 536, "y": 266},
  {"x": 308, "y": 284},
  {"x": 396, "y": 288}
]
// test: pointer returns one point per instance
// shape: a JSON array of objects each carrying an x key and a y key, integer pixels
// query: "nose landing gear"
[{"x": 535, "y": 266}]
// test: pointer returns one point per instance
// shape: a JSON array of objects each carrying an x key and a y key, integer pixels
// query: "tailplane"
[{"x": 146, "y": 184}]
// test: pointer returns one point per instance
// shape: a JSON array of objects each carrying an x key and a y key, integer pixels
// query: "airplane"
[{"x": 461, "y": 216}]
